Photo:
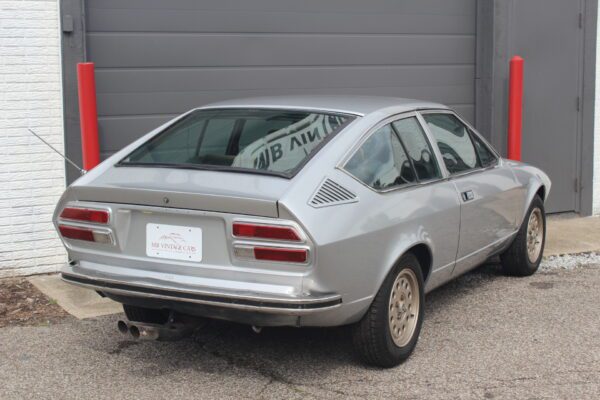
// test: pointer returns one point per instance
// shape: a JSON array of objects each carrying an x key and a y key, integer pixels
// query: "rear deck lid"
[{"x": 229, "y": 192}]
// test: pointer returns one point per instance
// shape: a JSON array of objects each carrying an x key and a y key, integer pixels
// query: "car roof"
[{"x": 358, "y": 105}]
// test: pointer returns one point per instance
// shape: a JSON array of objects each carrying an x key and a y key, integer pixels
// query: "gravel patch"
[{"x": 569, "y": 261}]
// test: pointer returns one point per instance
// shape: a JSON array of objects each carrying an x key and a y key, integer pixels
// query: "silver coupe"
[{"x": 300, "y": 211}]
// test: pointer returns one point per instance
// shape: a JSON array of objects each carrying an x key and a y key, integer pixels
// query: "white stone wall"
[{"x": 31, "y": 176}]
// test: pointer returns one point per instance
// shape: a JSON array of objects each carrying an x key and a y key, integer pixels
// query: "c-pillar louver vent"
[{"x": 331, "y": 193}]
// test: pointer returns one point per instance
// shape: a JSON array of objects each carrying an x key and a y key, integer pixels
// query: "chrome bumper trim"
[{"x": 297, "y": 306}]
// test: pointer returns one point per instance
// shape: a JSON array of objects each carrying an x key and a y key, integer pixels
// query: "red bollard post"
[
  {"x": 86, "y": 84},
  {"x": 515, "y": 108}
]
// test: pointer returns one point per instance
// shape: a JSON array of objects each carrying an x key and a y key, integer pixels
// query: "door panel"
[
  {"x": 487, "y": 190},
  {"x": 487, "y": 216},
  {"x": 547, "y": 35}
]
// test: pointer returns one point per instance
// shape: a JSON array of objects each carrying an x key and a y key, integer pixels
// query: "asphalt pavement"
[{"x": 485, "y": 336}]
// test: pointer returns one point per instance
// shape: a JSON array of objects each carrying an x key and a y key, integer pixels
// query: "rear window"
[{"x": 275, "y": 142}]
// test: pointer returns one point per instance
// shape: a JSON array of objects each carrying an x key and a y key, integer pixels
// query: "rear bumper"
[{"x": 283, "y": 305}]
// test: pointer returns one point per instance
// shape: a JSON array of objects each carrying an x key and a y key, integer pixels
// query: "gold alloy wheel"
[
  {"x": 535, "y": 235},
  {"x": 404, "y": 307}
]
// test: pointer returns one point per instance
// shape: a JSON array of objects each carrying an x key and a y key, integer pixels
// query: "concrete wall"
[{"x": 31, "y": 176}]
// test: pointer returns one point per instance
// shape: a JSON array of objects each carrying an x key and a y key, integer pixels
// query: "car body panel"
[
  {"x": 187, "y": 189},
  {"x": 356, "y": 105},
  {"x": 489, "y": 218},
  {"x": 351, "y": 246},
  {"x": 531, "y": 180}
]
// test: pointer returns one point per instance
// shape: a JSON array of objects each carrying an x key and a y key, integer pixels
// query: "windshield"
[{"x": 270, "y": 141}]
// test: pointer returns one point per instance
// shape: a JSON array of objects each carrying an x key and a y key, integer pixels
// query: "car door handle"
[{"x": 468, "y": 195}]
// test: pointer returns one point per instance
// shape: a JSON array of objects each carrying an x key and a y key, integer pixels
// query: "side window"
[
  {"x": 486, "y": 156},
  {"x": 454, "y": 142},
  {"x": 418, "y": 148},
  {"x": 381, "y": 162}
]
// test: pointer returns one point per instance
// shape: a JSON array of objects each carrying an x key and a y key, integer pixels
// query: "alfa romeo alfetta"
[{"x": 300, "y": 211}]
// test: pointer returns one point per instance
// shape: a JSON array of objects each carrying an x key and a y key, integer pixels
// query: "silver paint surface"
[{"x": 352, "y": 246}]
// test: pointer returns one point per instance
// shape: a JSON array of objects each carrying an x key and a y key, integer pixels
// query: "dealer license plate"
[{"x": 174, "y": 242}]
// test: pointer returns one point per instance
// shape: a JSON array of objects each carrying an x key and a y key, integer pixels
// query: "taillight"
[
  {"x": 271, "y": 232},
  {"x": 265, "y": 253},
  {"x": 85, "y": 234},
  {"x": 279, "y": 254},
  {"x": 267, "y": 242},
  {"x": 85, "y": 215}
]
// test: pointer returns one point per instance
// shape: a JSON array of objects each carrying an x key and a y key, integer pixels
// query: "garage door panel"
[
  {"x": 118, "y": 131},
  {"x": 466, "y": 111},
  {"x": 191, "y": 79},
  {"x": 441, "y": 7},
  {"x": 189, "y": 50},
  {"x": 258, "y": 21},
  {"x": 114, "y": 104},
  {"x": 156, "y": 58}
]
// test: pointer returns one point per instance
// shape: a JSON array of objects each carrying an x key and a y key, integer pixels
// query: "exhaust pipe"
[
  {"x": 169, "y": 331},
  {"x": 123, "y": 327},
  {"x": 143, "y": 332}
]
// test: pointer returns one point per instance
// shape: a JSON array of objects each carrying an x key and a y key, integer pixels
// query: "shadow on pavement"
[{"x": 280, "y": 354}]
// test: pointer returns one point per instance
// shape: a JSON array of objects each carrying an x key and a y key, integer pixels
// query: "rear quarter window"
[
  {"x": 454, "y": 141},
  {"x": 413, "y": 137},
  {"x": 381, "y": 162}
]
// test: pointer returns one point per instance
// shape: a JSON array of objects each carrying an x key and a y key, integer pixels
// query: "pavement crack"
[
  {"x": 264, "y": 388},
  {"x": 273, "y": 376}
]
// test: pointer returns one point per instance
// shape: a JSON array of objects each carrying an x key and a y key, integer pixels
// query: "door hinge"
[
  {"x": 576, "y": 185},
  {"x": 581, "y": 20}
]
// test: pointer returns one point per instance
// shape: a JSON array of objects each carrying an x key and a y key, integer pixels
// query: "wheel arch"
[
  {"x": 541, "y": 192},
  {"x": 534, "y": 182},
  {"x": 422, "y": 251},
  {"x": 537, "y": 189}
]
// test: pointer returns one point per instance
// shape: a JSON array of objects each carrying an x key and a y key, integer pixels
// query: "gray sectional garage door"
[{"x": 156, "y": 59}]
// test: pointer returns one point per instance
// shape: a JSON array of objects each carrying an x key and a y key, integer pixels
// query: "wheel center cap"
[{"x": 401, "y": 311}]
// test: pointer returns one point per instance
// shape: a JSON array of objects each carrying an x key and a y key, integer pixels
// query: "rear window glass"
[{"x": 270, "y": 141}]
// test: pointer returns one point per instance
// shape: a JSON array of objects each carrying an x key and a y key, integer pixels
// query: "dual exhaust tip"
[
  {"x": 139, "y": 331},
  {"x": 169, "y": 331}
]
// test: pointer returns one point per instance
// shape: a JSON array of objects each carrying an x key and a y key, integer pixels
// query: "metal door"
[
  {"x": 157, "y": 58},
  {"x": 548, "y": 34}
]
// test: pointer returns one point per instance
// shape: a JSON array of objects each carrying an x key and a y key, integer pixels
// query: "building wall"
[
  {"x": 597, "y": 131},
  {"x": 31, "y": 176}
]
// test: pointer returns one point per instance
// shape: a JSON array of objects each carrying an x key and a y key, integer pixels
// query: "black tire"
[
  {"x": 148, "y": 315},
  {"x": 515, "y": 260},
  {"x": 372, "y": 335}
]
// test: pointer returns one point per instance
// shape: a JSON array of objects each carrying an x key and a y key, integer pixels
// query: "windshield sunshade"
[{"x": 278, "y": 142}]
